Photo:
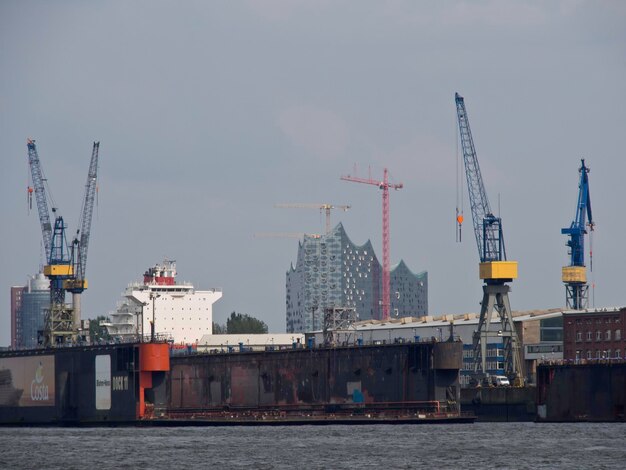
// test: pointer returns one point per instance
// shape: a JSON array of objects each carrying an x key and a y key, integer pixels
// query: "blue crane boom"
[
  {"x": 40, "y": 196},
  {"x": 82, "y": 243},
  {"x": 574, "y": 275},
  {"x": 487, "y": 227},
  {"x": 578, "y": 227}
]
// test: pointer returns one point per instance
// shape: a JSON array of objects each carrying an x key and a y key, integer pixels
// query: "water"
[{"x": 480, "y": 445}]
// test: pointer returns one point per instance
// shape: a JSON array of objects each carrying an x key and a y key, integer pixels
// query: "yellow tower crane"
[{"x": 321, "y": 207}]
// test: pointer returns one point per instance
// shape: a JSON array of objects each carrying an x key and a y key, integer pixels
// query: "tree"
[
  {"x": 97, "y": 332},
  {"x": 243, "y": 323},
  {"x": 219, "y": 329}
]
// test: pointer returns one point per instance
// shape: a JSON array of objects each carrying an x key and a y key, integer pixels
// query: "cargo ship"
[
  {"x": 153, "y": 301},
  {"x": 143, "y": 384}
]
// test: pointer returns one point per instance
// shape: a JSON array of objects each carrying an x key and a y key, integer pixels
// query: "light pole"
[
  {"x": 313, "y": 309},
  {"x": 153, "y": 297}
]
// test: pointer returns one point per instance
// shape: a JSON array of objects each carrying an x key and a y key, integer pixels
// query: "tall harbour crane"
[
  {"x": 494, "y": 268},
  {"x": 325, "y": 207},
  {"x": 65, "y": 265},
  {"x": 81, "y": 242},
  {"x": 384, "y": 185},
  {"x": 58, "y": 321},
  {"x": 575, "y": 275}
]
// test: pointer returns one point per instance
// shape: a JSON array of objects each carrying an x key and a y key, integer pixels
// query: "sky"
[{"x": 209, "y": 113}]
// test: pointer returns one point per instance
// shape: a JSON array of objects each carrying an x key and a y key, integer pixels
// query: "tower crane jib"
[{"x": 325, "y": 207}]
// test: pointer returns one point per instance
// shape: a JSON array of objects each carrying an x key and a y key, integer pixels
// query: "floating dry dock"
[
  {"x": 582, "y": 391},
  {"x": 141, "y": 384}
]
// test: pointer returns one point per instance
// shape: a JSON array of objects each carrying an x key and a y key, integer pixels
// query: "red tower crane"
[{"x": 384, "y": 185}]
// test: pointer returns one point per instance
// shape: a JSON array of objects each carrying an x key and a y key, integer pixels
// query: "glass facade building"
[
  {"x": 331, "y": 271},
  {"x": 35, "y": 300}
]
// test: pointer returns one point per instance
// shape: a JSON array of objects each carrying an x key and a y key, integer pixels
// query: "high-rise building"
[
  {"x": 331, "y": 271},
  {"x": 28, "y": 305},
  {"x": 16, "y": 305}
]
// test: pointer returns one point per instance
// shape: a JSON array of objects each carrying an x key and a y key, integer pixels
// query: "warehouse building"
[{"x": 540, "y": 333}]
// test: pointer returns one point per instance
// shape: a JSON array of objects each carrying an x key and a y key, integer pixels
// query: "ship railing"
[
  {"x": 581, "y": 362},
  {"x": 134, "y": 338},
  {"x": 430, "y": 408},
  {"x": 385, "y": 342}
]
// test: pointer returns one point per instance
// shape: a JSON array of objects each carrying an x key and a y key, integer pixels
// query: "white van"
[{"x": 500, "y": 381}]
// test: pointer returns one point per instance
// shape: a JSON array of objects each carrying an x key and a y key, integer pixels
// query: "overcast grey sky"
[{"x": 211, "y": 112}]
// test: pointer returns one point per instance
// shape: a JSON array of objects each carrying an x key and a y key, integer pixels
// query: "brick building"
[
  {"x": 593, "y": 334},
  {"x": 16, "y": 320}
]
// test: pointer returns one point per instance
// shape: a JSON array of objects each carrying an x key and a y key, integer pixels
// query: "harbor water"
[{"x": 480, "y": 445}]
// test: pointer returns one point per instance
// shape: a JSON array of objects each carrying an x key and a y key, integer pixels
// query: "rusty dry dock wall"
[
  {"x": 304, "y": 377},
  {"x": 581, "y": 392}
]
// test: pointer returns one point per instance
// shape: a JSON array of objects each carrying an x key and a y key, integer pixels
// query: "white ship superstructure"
[{"x": 161, "y": 306}]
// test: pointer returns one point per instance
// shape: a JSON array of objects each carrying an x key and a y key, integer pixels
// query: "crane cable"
[
  {"x": 591, "y": 250},
  {"x": 593, "y": 277},
  {"x": 459, "y": 188},
  {"x": 29, "y": 188}
]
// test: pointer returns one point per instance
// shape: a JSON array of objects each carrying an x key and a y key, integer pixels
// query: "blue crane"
[
  {"x": 65, "y": 265},
  {"x": 58, "y": 322},
  {"x": 575, "y": 276},
  {"x": 494, "y": 269}
]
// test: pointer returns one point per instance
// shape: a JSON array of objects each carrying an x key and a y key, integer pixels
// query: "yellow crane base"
[
  {"x": 58, "y": 270},
  {"x": 498, "y": 270},
  {"x": 75, "y": 284},
  {"x": 574, "y": 274}
]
